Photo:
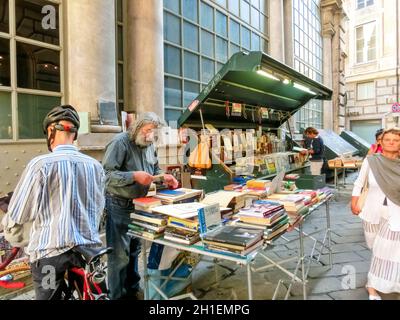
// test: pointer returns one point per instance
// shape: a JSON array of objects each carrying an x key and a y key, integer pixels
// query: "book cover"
[
  {"x": 149, "y": 217},
  {"x": 234, "y": 235}
]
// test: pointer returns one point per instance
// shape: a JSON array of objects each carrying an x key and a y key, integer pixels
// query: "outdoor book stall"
[
  {"x": 199, "y": 228},
  {"x": 235, "y": 132},
  {"x": 237, "y": 126}
]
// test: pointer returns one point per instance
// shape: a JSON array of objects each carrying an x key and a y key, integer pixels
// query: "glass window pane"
[
  {"x": 255, "y": 42},
  {"x": 5, "y": 116},
  {"x": 222, "y": 50},
  {"x": 207, "y": 16},
  {"x": 120, "y": 82},
  {"x": 173, "y": 92},
  {"x": 31, "y": 111},
  {"x": 207, "y": 43},
  {"x": 5, "y": 62},
  {"x": 264, "y": 24},
  {"x": 190, "y": 10},
  {"x": 222, "y": 3},
  {"x": 120, "y": 43},
  {"x": 245, "y": 11},
  {"x": 172, "y": 115},
  {"x": 255, "y": 18},
  {"x": 207, "y": 70},
  {"x": 119, "y": 10},
  {"x": 234, "y": 48},
  {"x": 192, "y": 90},
  {"x": 245, "y": 38},
  {"x": 235, "y": 32},
  {"x": 264, "y": 45},
  {"x": 234, "y": 7},
  {"x": 172, "y": 28},
  {"x": 38, "y": 68},
  {"x": 255, "y": 3},
  {"x": 172, "y": 60},
  {"x": 219, "y": 66},
  {"x": 264, "y": 6},
  {"x": 172, "y": 5},
  {"x": 192, "y": 69},
  {"x": 4, "y": 19},
  {"x": 29, "y": 18},
  {"x": 221, "y": 27},
  {"x": 191, "y": 36}
]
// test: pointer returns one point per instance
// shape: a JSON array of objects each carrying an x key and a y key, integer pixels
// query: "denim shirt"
[{"x": 122, "y": 158}]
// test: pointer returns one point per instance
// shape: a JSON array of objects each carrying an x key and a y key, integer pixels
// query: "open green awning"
[{"x": 256, "y": 81}]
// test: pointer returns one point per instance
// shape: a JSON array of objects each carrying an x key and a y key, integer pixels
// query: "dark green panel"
[
  {"x": 359, "y": 143},
  {"x": 240, "y": 81}
]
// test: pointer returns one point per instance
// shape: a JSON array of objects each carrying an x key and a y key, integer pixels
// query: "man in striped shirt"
[{"x": 62, "y": 194}]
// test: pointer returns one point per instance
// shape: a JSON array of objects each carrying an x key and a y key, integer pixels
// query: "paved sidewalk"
[{"x": 345, "y": 281}]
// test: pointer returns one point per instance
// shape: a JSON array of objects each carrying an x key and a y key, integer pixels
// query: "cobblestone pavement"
[{"x": 344, "y": 281}]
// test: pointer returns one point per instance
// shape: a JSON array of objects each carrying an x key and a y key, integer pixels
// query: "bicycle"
[
  {"x": 4, "y": 271},
  {"x": 89, "y": 281}
]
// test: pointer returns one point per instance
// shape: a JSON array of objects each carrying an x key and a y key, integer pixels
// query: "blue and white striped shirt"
[{"x": 62, "y": 193}]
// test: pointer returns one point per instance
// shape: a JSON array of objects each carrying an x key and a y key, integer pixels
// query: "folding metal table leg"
[
  {"x": 145, "y": 273},
  {"x": 328, "y": 227},
  {"x": 249, "y": 282},
  {"x": 302, "y": 254}
]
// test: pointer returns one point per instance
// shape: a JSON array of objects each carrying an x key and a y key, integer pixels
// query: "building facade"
[
  {"x": 372, "y": 68},
  {"x": 147, "y": 55}
]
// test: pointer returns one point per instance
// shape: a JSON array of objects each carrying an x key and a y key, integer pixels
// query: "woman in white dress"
[{"x": 381, "y": 214}]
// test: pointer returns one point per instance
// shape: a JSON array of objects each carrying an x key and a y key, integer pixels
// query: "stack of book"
[
  {"x": 326, "y": 191},
  {"x": 147, "y": 225},
  {"x": 269, "y": 216},
  {"x": 182, "y": 195},
  {"x": 143, "y": 222},
  {"x": 310, "y": 197},
  {"x": 146, "y": 204},
  {"x": 233, "y": 240},
  {"x": 183, "y": 223},
  {"x": 294, "y": 206}
]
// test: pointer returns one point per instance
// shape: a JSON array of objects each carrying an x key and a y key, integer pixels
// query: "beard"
[{"x": 141, "y": 140}]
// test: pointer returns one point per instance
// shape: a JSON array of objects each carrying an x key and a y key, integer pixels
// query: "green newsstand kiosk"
[{"x": 270, "y": 93}]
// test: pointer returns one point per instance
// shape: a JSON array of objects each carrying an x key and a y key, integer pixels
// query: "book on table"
[
  {"x": 259, "y": 218},
  {"x": 181, "y": 210},
  {"x": 146, "y": 202},
  {"x": 277, "y": 233},
  {"x": 244, "y": 237},
  {"x": 149, "y": 226},
  {"x": 216, "y": 247},
  {"x": 172, "y": 196},
  {"x": 181, "y": 236},
  {"x": 149, "y": 217},
  {"x": 186, "y": 224},
  {"x": 137, "y": 231}
]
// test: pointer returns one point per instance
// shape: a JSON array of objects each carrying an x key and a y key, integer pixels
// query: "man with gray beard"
[{"x": 130, "y": 162}]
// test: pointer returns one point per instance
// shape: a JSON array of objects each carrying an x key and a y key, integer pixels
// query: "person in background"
[
  {"x": 130, "y": 163},
  {"x": 376, "y": 147},
  {"x": 62, "y": 194},
  {"x": 381, "y": 214},
  {"x": 315, "y": 148}
]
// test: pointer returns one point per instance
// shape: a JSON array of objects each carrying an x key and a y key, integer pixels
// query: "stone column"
[
  {"x": 145, "y": 57},
  {"x": 276, "y": 32},
  {"x": 89, "y": 42},
  {"x": 332, "y": 14},
  {"x": 327, "y": 34},
  {"x": 288, "y": 32}
]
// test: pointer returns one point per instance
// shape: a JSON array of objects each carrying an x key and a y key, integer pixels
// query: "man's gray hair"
[{"x": 142, "y": 120}]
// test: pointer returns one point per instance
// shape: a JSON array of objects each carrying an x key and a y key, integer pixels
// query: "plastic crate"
[{"x": 306, "y": 181}]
